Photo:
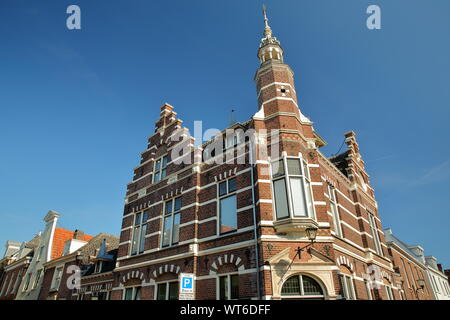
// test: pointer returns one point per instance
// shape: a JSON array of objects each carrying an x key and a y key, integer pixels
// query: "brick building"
[
  {"x": 89, "y": 258},
  {"x": 24, "y": 270},
  {"x": 243, "y": 228},
  {"x": 410, "y": 269}
]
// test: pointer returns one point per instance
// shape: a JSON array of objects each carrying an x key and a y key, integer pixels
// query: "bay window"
[
  {"x": 171, "y": 226},
  {"x": 292, "y": 189},
  {"x": 139, "y": 232}
]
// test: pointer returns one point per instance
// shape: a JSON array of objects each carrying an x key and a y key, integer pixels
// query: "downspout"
[{"x": 255, "y": 229}]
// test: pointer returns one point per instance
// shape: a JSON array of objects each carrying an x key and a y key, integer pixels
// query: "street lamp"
[{"x": 311, "y": 233}]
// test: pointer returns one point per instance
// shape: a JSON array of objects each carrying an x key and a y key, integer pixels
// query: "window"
[
  {"x": 171, "y": 227},
  {"x": 373, "y": 229},
  {"x": 139, "y": 232},
  {"x": 227, "y": 205},
  {"x": 229, "y": 287},
  {"x": 334, "y": 211},
  {"x": 292, "y": 188},
  {"x": 160, "y": 170},
  {"x": 40, "y": 253},
  {"x": 301, "y": 286},
  {"x": 348, "y": 290},
  {"x": 133, "y": 293},
  {"x": 36, "y": 280},
  {"x": 27, "y": 282},
  {"x": 4, "y": 285},
  {"x": 406, "y": 273},
  {"x": 167, "y": 290},
  {"x": 57, "y": 278},
  {"x": 98, "y": 267},
  {"x": 368, "y": 290},
  {"x": 389, "y": 294}
]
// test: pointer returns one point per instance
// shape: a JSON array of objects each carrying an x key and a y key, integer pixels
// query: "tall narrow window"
[
  {"x": 389, "y": 294},
  {"x": 4, "y": 285},
  {"x": 229, "y": 287},
  {"x": 139, "y": 232},
  {"x": 57, "y": 278},
  {"x": 171, "y": 227},
  {"x": 334, "y": 211},
  {"x": 368, "y": 290},
  {"x": 27, "y": 282},
  {"x": 227, "y": 205},
  {"x": 348, "y": 290},
  {"x": 36, "y": 280},
  {"x": 292, "y": 188},
  {"x": 160, "y": 169},
  {"x": 376, "y": 239}
]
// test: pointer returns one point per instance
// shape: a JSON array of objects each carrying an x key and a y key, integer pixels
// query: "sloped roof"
[{"x": 60, "y": 237}]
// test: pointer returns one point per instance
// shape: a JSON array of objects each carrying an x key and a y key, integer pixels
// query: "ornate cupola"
[{"x": 269, "y": 48}]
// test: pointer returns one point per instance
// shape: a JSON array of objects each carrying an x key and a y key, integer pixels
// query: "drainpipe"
[{"x": 255, "y": 229}]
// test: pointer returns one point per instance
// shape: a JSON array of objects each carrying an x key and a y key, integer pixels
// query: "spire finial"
[
  {"x": 267, "y": 29},
  {"x": 265, "y": 15}
]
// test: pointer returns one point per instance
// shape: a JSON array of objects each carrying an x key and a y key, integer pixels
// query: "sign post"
[{"x": 187, "y": 286}]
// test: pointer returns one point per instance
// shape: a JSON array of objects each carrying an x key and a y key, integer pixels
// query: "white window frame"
[
  {"x": 167, "y": 283},
  {"x": 157, "y": 172},
  {"x": 368, "y": 289},
  {"x": 56, "y": 281},
  {"x": 27, "y": 281},
  {"x": 334, "y": 210},
  {"x": 389, "y": 292},
  {"x": 37, "y": 278},
  {"x": 307, "y": 188},
  {"x": 375, "y": 236},
  {"x": 302, "y": 289},
  {"x": 228, "y": 276},
  {"x": 173, "y": 212},
  {"x": 133, "y": 292},
  {"x": 4, "y": 285},
  {"x": 228, "y": 194},
  {"x": 140, "y": 220},
  {"x": 345, "y": 279}
]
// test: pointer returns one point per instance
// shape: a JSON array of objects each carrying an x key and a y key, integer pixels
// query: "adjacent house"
[
  {"x": 49, "y": 245},
  {"x": 59, "y": 281}
]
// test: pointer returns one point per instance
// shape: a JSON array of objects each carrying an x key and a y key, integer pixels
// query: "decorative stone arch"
[
  {"x": 344, "y": 261},
  {"x": 130, "y": 275},
  {"x": 165, "y": 269},
  {"x": 226, "y": 259}
]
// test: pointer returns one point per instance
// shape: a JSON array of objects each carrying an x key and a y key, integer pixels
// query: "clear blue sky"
[{"x": 76, "y": 106}]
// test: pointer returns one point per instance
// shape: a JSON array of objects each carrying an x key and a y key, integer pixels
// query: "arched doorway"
[{"x": 301, "y": 286}]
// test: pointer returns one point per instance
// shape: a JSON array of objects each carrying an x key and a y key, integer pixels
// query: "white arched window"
[{"x": 302, "y": 287}]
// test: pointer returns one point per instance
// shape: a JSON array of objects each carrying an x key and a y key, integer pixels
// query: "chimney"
[{"x": 78, "y": 235}]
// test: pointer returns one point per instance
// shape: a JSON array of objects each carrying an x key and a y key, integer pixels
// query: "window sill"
[{"x": 294, "y": 225}]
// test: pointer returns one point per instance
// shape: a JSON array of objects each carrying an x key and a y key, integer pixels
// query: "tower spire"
[
  {"x": 267, "y": 29},
  {"x": 269, "y": 44}
]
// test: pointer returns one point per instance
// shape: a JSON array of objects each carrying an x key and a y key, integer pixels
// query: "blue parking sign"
[
  {"x": 187, "y": 291},
  {"x": 186, "y": 282}
]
